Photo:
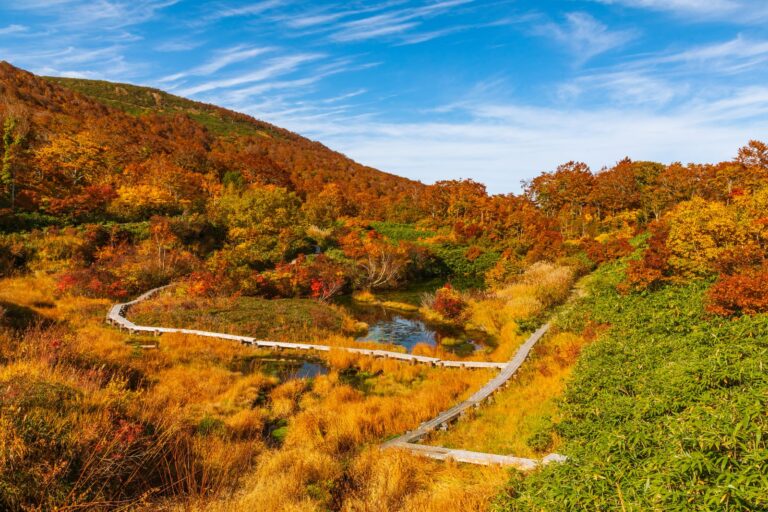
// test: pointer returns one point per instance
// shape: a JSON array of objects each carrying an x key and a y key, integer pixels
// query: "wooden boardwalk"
[
  {"x": 117, "y": 316},
  {"x": 410, "y": 440}
]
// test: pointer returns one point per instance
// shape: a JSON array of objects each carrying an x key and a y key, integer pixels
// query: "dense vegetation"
[
  {"x": 666, "y": 411},
  {"x": 652, "y": 383}
]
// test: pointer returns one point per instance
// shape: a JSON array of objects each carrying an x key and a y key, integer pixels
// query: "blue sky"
[{"x": 494, "y": 90}]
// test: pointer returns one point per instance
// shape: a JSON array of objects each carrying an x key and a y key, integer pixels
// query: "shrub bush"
[
  {"x": 609, "y": 250},
  {"x": 449, "y": 303},
  {"x": 745, "y": 293}
]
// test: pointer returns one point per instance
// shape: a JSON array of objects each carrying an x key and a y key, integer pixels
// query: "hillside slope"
[
  {"x": 666, "y": 410},
  {"x": 73, "y": 134}
]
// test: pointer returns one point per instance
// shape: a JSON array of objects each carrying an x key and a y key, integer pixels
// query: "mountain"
[{"x": 72, "y": 135}]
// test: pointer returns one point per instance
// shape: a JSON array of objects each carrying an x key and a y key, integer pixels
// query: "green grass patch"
[
  {"x": 278, "y": 319},
  {"x": 137, "y": 100},
  {"x": 405, "y": 232},
  {"x": 668, "y": 410}
]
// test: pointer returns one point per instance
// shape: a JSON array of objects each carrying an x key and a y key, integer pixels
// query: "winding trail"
[{"x": 408, "y": 441}]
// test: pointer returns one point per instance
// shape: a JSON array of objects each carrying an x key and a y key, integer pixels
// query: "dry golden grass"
[
  {"x": 213, "y": 422},
  {"x": 517, "y": 412},
  {"x": 214, "y": 425},
  {"x": 399, "y": 481}
]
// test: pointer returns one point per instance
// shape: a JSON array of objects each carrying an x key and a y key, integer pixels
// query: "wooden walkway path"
[
  {"x": 410, "y": 440},
  {"x": 117, "y": 316}
]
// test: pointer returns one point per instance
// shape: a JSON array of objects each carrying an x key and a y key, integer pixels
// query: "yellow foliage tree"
[
  {"x": 72, "y": 160},
  {"x": 699, "y": 232}
]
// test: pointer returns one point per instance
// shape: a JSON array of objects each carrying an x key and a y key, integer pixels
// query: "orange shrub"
[
  {"x": 611, "y": 249},
  {"x": 653, "y": 268},
  {"x": 745, "y": 293},
  {"x": 449, "y": 303}
]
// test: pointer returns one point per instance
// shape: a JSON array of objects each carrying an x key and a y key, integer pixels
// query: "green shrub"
[
  {"x": 210, "y": 425},
  {"x": 398, "y": 232},
  {"x": 665, "y": 411},
  {"x": 465, "y": 272}
]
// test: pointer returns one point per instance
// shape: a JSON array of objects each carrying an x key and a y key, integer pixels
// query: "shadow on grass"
[{"x": 20, "y": 318}]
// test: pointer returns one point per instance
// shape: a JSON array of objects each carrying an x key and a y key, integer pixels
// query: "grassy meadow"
[
  {"x": 102, "y": 422},
  {"x": 666, "y": 410},
  {"x": 105, "y": 418}
]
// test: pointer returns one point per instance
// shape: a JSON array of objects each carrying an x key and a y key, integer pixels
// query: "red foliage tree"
[
  {"x": 653, "y": 268},
  {"x": 449, "y": 303},
  {"x": 745, "y": 293},
  {"x": 612, "y": 249}
]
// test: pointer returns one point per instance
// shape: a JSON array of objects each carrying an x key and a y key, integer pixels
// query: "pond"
[
  {"x": 284, "y": 368},
  {"x": 409, "y": 329}
]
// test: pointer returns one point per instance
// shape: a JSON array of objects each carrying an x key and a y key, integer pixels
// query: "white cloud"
[
  {"x": 735, "y": 55},
  {"x": 13, "y": 29},
  {"x": 95, "y": 14},
  {"x": 501, "y": 144},
  {"x": 738, "y": 11},
  {"x": 701, "y": 6},
  {"x": 393, "y": 22},
  {"x": 273, "y": 68},
  {"x": 623, "y": 88},
  {"x": 220, "y": 12},
  {"x": 179, "y": 45},
  {"x": 584, "y": 36},
  {"x": 220, "y": 60},
  {"x": 74, "y": 61}
]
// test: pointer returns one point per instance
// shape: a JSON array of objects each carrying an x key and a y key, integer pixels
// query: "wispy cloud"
[
  {"x": 220, "y": 12},
  {"x": 100, "y": 14},
  {"x": 13, "y": 29},
  {"x": 392, "y": 22},
  {"x": 274, "y": 67},
  {"x": 312, "y": 20},
  {"x": 503, "y": 143},
  {"x": 74, "y": 61},
  {"x": 237, "y": 98},
  {"x": 734, "y": 55},
  {"x": 622, "y": 88},
  {"x": 220, "y": 60},
  {"x": 584, "y": 36},
  {"x": 739, "y": 11},
  {"x": 179, "y": 45},
  {"x": 701, "y": 6}
]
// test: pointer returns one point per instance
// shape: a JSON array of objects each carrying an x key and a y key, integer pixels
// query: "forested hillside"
[{"x": 85, "y": 150}]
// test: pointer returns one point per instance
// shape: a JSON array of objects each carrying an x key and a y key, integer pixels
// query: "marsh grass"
[
  {"x": 276, "y": 319},
  {"x": 518, "y": 421},
  {"x": 190, "y": 430}
]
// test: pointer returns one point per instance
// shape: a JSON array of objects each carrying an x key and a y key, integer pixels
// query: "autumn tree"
[
  {"x": 158, "y": 186},
  {"x": 264, "y": 225},
  {"x": 623, "y": 186},
  {"x": 699, "y": 231},
  {"x": 754, "y": 155},
  {"x": 327, "y": 206},
  {"x": 456, "y": 200},
  {"x": 70, "y": 162},
  {"x": 565, "y": 194},
  {"x": 327, "y": 278},
  {"x": 384, "y": 264},
  {"x": 15, "y": 128},
  {"x": 381, "y": 263}
]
